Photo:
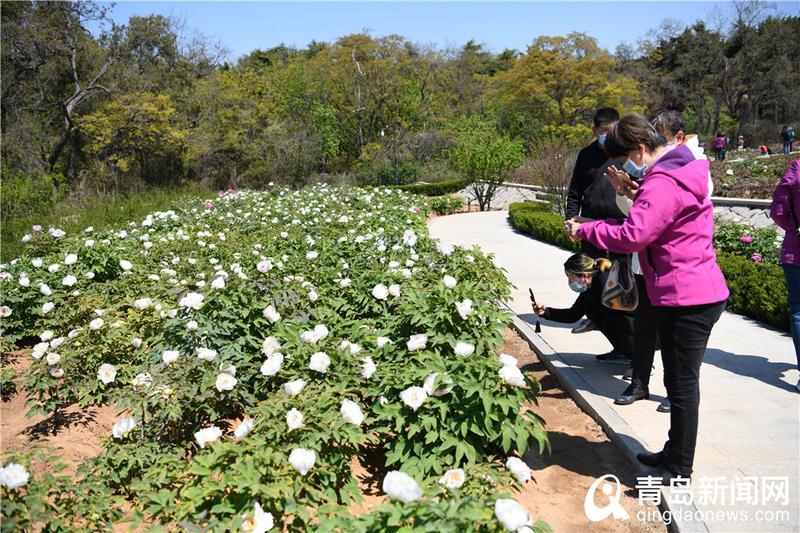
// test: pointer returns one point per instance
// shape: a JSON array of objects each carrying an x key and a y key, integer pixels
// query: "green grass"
[{"x": 98, "y": 211}]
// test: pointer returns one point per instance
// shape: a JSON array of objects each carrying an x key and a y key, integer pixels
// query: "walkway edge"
[{"x": 620, "y": 433}]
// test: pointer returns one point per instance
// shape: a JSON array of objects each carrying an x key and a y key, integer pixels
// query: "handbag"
[{"x": 619, "y": 291}]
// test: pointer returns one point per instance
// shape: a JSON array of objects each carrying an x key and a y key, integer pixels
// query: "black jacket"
[
  {"x": 588, "y": 304},
  {"x": 590, "y": 195}
]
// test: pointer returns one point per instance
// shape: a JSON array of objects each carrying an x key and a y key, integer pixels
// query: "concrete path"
[{"x": 748, "y": 450}]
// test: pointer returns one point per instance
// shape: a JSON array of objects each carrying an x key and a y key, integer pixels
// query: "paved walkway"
[{"x": 749, "y": 411}]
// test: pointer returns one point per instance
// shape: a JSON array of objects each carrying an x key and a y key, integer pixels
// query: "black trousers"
[
  {"x": 645, "y": 335},
  {"x": 619, "y": 330},
  {"x": 684, "y": 333}
]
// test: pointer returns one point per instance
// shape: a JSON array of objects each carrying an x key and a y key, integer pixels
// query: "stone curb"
[{"x": 620, "y": 433}]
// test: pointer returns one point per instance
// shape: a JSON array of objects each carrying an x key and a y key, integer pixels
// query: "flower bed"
[
  {"x": 749, "y": 177},
  {"x": 757, "y": 287},
  {"x": 257, "y": 344}
]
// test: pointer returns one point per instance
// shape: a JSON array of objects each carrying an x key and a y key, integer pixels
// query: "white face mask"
[{"x": 635, "y": 170}]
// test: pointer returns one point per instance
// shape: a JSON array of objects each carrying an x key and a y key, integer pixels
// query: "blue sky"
[{"x": 245, "y": 26}]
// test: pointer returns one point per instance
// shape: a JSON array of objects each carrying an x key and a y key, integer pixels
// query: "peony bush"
[{"x": 257, "y": 346}]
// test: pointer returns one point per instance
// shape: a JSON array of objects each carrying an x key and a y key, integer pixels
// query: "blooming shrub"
[
  {"x": 256, "y": 349},
  {"x": 751, "y": 177},
  {"x": 758, "y": 245}
]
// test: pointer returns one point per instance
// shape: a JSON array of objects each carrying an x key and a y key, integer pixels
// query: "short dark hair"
[
  {"x": 605, "y": 115},
  {"x": 631, "y": 131},
  {"x": 667, "y": 122}
]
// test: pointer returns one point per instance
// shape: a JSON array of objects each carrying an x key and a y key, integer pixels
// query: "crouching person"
[{"x": 587, "y": 276}]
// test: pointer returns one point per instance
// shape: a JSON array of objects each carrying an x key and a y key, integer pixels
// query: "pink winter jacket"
[
  {"x": 671, "y": 226},
  {"x": 784, "y": 211}
]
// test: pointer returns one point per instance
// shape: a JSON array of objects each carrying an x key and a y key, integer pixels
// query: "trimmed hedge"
[
  {"x": 439, "y": 188},
  {"x": 758, "y": 290}
]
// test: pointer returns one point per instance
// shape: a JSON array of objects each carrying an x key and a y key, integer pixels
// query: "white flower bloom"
[
  {"x": 312, "y": 255},
  {"x": 409, "y": 238},
  {"x": 37, "y": 262},
  {"x": 293, "y": 388},
  {"x": 143, "y": 380},
  {"x": 47, "y": 307},
  {"x": 125, "y": 265},
  {"x": 24, "y": 281},
  {"x": 227, "y": 368},
  {"x": 270, "y": 346},
  {"x": 69, "y": 280},
  {"x": 53, "y": 268},
  {"x": 55, "y": 343},
  {"x": 225, "y": 382},
  {"x": 272, "y": 365},
  {"x": 206, "y": 435},
  {"x": 453, "y": 479},
  {"x": 243, "y": 429},
  {"x": 511, "y": 514},
  {"x": 464, "y": 349},
  {"x": 45, "y": 289},
  {"x": 206, "y": 354},
  {"x": 351, "y": 412},
  {"x": 294, "y": 419},
  {"x": 170, "y": 356},
  {"x": 88, "y": 243},
  {"x": 446, "y": 385},
  {"x": 319, "y": 362},
  {"x": 136, "y": 341},
  {"x": 124, "y": 426},
  {"x": 264, "y": 266},
  {"x": 507, "y": 359},
  {"x": 46, "y": 335},
  {"x": 464, "y": 308},
  {"x": 382, "y": 341},
  {"x": 414, "y": 397},
  {"x": 106, "y": 373},
  {"x": 71, "y": 259},
  {"x": 313, "y": 296},
  {"x": 417, "y": 342},
  {"x": 89, "y": 275},
  {"x": 53, "y": 358},
  {"x": 302, "y": 460},
  {"x": 345, "y": 282},
  {"x": 380, "y": 291},
  {"x": 39, "y": 350},
  {"x": 13, "y": 476},
  {"x": 400, "y": 486},
  {"x": 56, "y": 372},
  {"x": 320, "y": 332},
  {"x": 192, "y": 300},
  {"x": 450, "y": 282},
  {"x": 271, "y": 314},
  {"x": 192, "y": 325},
  {"x": 259, "y": 521},
  {"x": 394, "y": 290},
  {"x": 512, "y": 375},
  {"x": 519, "y": 469},
  {"x": 142, "y": 303},
  {"x": 218, "y": 283},
  {"x": 96, "y": 324},
  {"x": 368, "y": 367}
]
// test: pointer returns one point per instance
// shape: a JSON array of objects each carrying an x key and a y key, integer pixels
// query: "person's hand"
[
  {"x": 539, "y": 309},
  {"x": 572, "y": 229},
  {"x": 621, "y": 182}
]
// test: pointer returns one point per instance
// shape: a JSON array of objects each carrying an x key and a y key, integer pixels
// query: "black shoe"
[
  {"x": 661, "y": 475},
  {"x": 664, "y": 406},
  {"x": 613, "y": 357},
  {"x": 628, "y": 374},
  {"x": 633, "y": 393},
  {"x": 651, "y": 459}
]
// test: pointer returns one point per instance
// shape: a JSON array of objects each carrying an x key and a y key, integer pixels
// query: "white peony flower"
[
  {"x": 56, "y": 372},
  {"x": 271, "y": 314},
  {"x": 512, "y": 375},
  {"x": 192, "y": 325},
  {"x": 13, "y": 476},
  {"x": 206, "y": 435},
  {"x": 106, "y": 373},
  {"x": 39, "y": 350},
  {"x": 446, "y": 385},
  {"x": 417, "y": 342},
  {"x": 218, "y": 283},
  {"x": 243, "y": 429},
  {"x": 45, "y": 289},
  {"x": 320, "y": 332},
  {"x": 71, "y": 259},
  {"x": 136, "y": 341},
  {"x": 142, "y": 303},
  {"x": 313, "y": 296},
  {"x": 450, "y": 282},
  {"x": 170, "y": 356},
  {"x": 125, "y": 265},
  {"x": 464, "y": 308},
  {"x": 319, "y": 362},
  {"x": 69, "y": 280},
  {"x": 143, "y": 380},
  {"x": 312, "y": 255},
  {"x": 453, "y": 479},
  {"x": 519, "y": 469},
  {"x": 37, "y": 262},
  {"x": 414, "y": 397},
  {"x": 394, "y": 290},
  {"x": 96, "y": 324},
  {"x": 53, "y": 358},
  {"x": 123, "y": 427},
  {"x": 507, "y": 360},
  {"x": 380, "y": 291},
  {"x": 264, "y": 266},
  {"x": 400, "y": 486},
  {"x": 192, "y": 300},
  {"x": 225, "y": 382},
  {"x": 345, "y": 282},
  {"x": 53, "y": 268},
  {"x": 351, "y": 412},
  {"x": 382, "y": 341},
  {"x": 46, "y": 335},
  {"x": 511, "y": 514},
  {"x": 206, "y": 354},
  {"x": 47, "y": 307},
  {"x": 302, "y": 460},
  {"x": 294, "y": 419},
  {"x": 464, "y": 349},
  {"x": 25, "y": 281},
  {"x": 293, "y": 388},
  {"x": 259, "y": 521},
  {"x": 368, "y": 367},
  {"x": 272, "y": 365},
  {"x": 270, "y": 346}
]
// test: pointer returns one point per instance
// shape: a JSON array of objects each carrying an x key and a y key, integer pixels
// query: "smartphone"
[{"x": 533, "y": 298}]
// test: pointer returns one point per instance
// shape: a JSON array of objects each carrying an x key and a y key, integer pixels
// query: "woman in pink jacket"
[
  {"x": 671, "y": 227},
  {"x": 784, "y": 211}
]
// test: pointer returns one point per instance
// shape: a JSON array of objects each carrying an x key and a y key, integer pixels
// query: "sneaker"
[
  {"x": 664, "y": 406},
  {"x": 613, "y": 357},
  {"x": 584, "y": 326}
]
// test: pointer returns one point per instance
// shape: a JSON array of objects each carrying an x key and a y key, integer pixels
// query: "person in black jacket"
[
  {"x": 587, "y": 276},
  {"x": 589, "y": 194}
]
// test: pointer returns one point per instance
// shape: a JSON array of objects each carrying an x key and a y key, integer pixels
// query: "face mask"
[
  {"x": 601, "y": 139},
  {"x": 578, "y": 287},
  {"x": 635, "y": 171}
]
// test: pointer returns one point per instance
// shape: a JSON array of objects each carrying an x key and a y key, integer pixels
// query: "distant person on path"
[
  {"x": 671, "y": 227},
  {"x": 719, "y": 146},
  {"x": 587, "y": 276},
  {"x": 740, "y": 143},
  {"x": 787, "y": 136},
  {"x": 785, "y": 212},
  {"x": 590, "y": 195}
]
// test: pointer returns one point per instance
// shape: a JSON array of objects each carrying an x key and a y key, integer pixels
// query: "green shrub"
[
  {"x": 405, "y": 172},
  {"x": 435, "y": 189},
  {"x": 759, "y": 245},
  {"x": 537, "y": 220},
  {"x": 25, "y": 194},
  {"x": 758, "y": 290},
  {"x": 446, "y": 205}
]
